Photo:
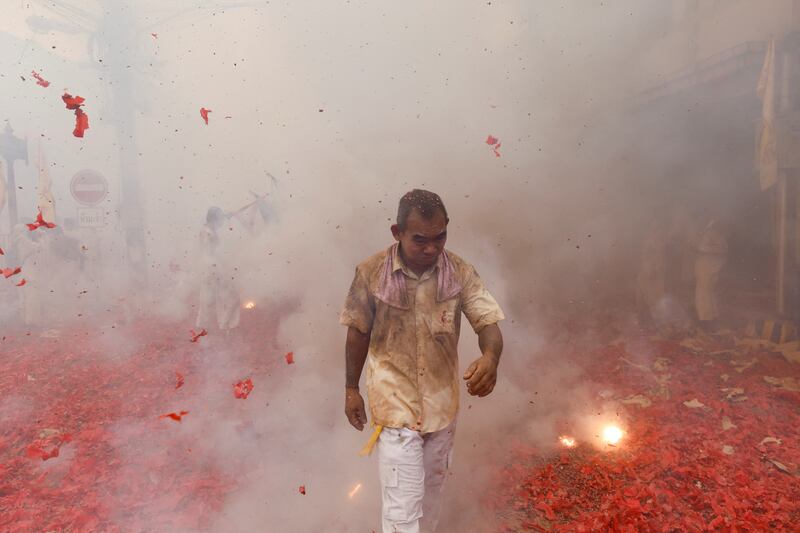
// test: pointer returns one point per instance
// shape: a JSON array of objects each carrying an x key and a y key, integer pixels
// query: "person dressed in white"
[
  {"x": 712, "y": 253},
  {"x": 220, "y": 301}
]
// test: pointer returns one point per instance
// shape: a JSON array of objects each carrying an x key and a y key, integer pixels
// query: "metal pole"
[
  {"x": 13, "y": 216},
  {"x": 12, "y": 149},
  {"x": 783, "y": 212},
  {"x": 780, "y": 274}
]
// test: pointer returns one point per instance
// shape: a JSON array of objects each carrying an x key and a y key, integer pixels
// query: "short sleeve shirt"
[{"x": 412, "y": 366}]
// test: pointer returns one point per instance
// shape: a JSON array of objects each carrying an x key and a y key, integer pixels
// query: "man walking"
[{"x": 403, "y": 314}]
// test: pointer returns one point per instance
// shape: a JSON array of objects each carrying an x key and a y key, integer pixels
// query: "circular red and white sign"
[{"x": 88, "y": 187}]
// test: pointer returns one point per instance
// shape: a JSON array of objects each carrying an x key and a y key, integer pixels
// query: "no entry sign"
[{"x": 88, "y": 187}]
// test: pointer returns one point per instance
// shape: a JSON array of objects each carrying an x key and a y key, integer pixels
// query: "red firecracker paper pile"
[
  {"x": 83, "y": 444},
  {"x": 716, "y": 449}
]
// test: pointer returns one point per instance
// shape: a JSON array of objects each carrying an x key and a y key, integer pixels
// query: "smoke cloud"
[{"x": 334, "y": 110}]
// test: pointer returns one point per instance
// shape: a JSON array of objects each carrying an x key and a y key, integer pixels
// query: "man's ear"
[{"x": 396, "y": 232}]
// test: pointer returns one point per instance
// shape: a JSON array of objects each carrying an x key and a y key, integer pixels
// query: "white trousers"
[{"x": 413, "y": 467}]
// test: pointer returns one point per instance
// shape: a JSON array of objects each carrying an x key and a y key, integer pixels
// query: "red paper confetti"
[
  {"x": 40, "y": 223},
  {"x": 243, "y": 388},
  {"x": 2, "y": 252},
  {"x": 46, "y": 448},
  {"x": 494, "y": 142},
  {"x": 154, "y": 35},
  {"x": 178, "y": 380},
  {"x": 73, "y": 102},
  {"x": 8, "y": 272},
  {"x": 81, "y": 123},
  {"x": 22, "y": 282},
  {"x": 39, "y": 80},
  {"x": 197, "y": 335},
  {"x": 290, "y": 358},
  {"x": 175, "y": 416},
  {"x": 302, "y": 490},
  {"x": 204, "y": 113},
  {"x": 35, "y": 451},
  {"x": 548, "y": 511}
]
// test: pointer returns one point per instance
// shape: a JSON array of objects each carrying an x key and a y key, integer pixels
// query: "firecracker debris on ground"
[
  {"x": 91, "y": 440},
  {"x": 711, "y": 443},
  {"x": 710, "y": 435}
]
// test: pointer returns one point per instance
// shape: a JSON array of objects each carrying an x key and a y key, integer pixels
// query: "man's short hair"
[{"x": 426, "y": 203}]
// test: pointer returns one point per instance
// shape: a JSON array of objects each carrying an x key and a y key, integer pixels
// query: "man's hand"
[
  {"x": 355, "y": 351},
  {"x": 481, "y": 376},
  {"x": 354, "y": 408}
]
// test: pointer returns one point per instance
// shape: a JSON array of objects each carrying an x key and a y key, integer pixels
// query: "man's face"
[{"x": 422, "y": 240}]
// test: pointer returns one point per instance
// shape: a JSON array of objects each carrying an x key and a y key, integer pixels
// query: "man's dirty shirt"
[{"x": 414, "y": 324}]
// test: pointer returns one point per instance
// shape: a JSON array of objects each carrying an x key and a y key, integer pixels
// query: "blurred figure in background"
[
  {"x": 31, "y": 251},
  {"x": 651, "y": 280},
  {"x": 219, "y": 296},
  {"x": 681, "y": 251},
  {"x": 712, "y": 253},
  {"x": 86, "y": 243}
]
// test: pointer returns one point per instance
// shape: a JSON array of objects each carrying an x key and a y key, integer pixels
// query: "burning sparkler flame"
[
  {"x": 569, "y": 442},
  {"x": 612, "y": 435},
  {"x": 354, "y": 491},
  {"x": 250, "y": 305}
]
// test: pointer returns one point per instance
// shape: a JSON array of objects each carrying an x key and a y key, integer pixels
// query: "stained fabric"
[{"x": 414, "y": 324}]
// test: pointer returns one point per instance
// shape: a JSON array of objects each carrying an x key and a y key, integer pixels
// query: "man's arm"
[
  {"x": 356, "y": 349},
  {"x": 481, "y": 375}
]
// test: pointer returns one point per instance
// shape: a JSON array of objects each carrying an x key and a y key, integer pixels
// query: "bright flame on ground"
[
  {"x": 250, "y": 305},
  {"x": 569, "y": 442},
  {"x": 354, "y": 491},
  {"x": 612, "y": 435}
]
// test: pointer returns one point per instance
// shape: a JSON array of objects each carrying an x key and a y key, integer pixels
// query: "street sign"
[
  {"x": 88, "y": 187},
  {"x": 91, "y": 217}
]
